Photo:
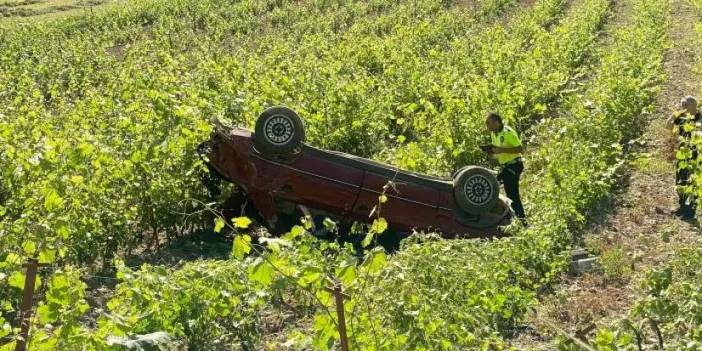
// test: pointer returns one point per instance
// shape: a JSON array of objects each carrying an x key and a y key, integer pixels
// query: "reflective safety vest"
[{"x": 506, "y": 138}]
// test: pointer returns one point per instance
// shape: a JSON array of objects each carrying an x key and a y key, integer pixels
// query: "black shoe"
[
  {"x": 685, "y": 213},
  {"x": 523, "y": 222},
  {"x": 687, "y": 216}
]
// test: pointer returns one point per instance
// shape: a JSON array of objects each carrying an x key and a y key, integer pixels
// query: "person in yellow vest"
[
  {"x": 507, "y": 149},
  {"x": 683, "y": 123}
]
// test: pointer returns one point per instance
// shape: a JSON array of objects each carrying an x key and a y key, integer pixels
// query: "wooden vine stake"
[
  {"x": 341, "y": 326},
  {"x": 27, "y": 303}
]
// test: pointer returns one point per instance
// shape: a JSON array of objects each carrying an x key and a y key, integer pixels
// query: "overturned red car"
[{"x": 280, "y": 175}]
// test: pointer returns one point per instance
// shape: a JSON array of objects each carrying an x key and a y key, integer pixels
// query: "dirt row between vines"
[{"x": 638, "y": 231}]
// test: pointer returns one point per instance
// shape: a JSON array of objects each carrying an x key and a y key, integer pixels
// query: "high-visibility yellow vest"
[{"x": 506, "y": 138}]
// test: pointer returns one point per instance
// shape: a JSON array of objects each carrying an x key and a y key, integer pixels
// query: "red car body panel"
[{"x": 346, "y": 186}]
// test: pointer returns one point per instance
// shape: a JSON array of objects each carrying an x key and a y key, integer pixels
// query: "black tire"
[
  {"x": 475, "y": 189},
  {"x": 279, "y": 131}
]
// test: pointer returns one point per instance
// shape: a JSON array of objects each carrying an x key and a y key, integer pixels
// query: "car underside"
[{"x": 281, "y": 178}]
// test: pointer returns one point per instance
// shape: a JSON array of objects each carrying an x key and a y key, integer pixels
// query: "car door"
[
  {"x": 409, "y": 205},
  {"x": 317, "y": 182}
]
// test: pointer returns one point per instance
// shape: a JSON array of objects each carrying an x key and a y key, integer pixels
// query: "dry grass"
[{"x": 42, "y": 10}]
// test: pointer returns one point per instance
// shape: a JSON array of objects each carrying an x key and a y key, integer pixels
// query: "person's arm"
[
  {"x": 670, "y": 122},
  {"x": 513, "y": 145},
  {"x": 508, "y": 150}
]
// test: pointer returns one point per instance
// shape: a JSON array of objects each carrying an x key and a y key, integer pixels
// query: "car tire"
[
  {"x": 475, "y": 189},
  {"x": 279, "y": 131}
]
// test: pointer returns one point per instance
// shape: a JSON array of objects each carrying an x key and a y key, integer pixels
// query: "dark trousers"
[
  {"x": 683, "y": 178},
  {"x": 509, "y": 176}
]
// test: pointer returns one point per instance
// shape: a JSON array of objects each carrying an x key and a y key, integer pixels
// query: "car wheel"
[
  {"x": 279, "y": 131},
  {"x": 475, "y": 189}
]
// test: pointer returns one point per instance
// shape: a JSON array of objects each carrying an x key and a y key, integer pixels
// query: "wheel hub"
[
  {"x": 279, "y": 130},
  {"x": 478, "y": 190}
]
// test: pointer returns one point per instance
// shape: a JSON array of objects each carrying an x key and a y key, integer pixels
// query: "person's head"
[
  {"x": 494, "y": 122},
  {"x": 689, "y": 104}
]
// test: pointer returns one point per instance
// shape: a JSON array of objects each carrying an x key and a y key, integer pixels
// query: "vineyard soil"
[{"x": 44, "y": 10}]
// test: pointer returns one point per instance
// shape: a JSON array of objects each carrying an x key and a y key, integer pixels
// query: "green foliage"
[
  {"x": 103, "y": 115},
  {"x": 242, "y": 246},
  {"x": 684, "y": 155},
  {"x": 58, "y": 323},
  {"x": 615, "y": 264},
  {"x": 219, "y": 224},
  {"x": 669, "y": 314},
  {"x": 241, "y": 222},
  {"x": 229, "y": 301}
]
